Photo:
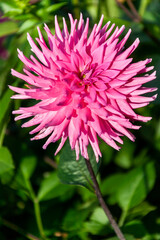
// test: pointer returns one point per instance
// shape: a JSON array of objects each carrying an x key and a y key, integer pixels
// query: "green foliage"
[
  {"x": 36, "y": 198},
  {"x": 4, "y": 103},
  {"x": 8, "y": 28},
  {"x": 6, "y": 161},
  {"x": 51, "y": 188},
  {"x": 75, "y": 172},
  {"x": 135, "y": 186}
]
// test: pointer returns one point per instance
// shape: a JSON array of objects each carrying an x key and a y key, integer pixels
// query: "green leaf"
[
  {"x": 140, "y": 211},
  {"x": 20, "y": 183},
  {"x": 51, "y": 187},
  {"x": 55, "y": 7},
  {"x": 135, "y": 227},
  {"x": 4, "y": 103},
  {"x": 27, "y": 25},
  {"x": 153, "y": 28},
  {"x": 112, "y": 183},
  {"x": 7, "y": 28},
  {"x": 7, "y": 177},
  {"x": 143, "y": 6},
  {"x": 98, "y": 223},
  {"x": 97, "y": 228},
  {"x": 9, "y": 5},
  {"x": 72, "y": 171},
  {"x": 75, "y": 218},
  {"x": 27, "y": 166},
  {"x": 99, "y": 216},
  {"x": 136, "y": 185},
  {"x": 113, "y": 9},
  {"x": 6, "y": 162}
]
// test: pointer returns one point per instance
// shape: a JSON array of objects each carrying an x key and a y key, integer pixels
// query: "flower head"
[{"x": 86, "y": 84}]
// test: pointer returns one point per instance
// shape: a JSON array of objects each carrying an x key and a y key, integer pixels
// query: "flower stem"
[
  {"x": 128, "y": 13},
  {"x": 38, "y": 218},
  {"x": 102, "y": 202},
  {"x": 133, "y": 9},
  {"x": 36, "y": 210}
]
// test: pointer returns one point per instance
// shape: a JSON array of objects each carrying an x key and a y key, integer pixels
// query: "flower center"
[{"x": 86, "y": 77}]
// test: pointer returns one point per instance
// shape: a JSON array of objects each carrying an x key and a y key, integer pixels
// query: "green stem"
[
  {"x": 38, "y": 218},
  {"x": 36, "y": 210}
]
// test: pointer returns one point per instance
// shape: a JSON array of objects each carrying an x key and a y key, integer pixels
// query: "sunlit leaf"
[
  {"x": 136, "y": 185},
  {"x": 51, "y": 187},
  {"x": 96, "y": 228},
  {"x": 27, "y": 166},
  {"x": 7, "y": 28},
  {"x": 143, "y": 6},
  {"x": 112, "y": 183},
  {"x": 99, "y": 216},
  {"x": 112, "y": 8},
  {"x": 9, "y": 5},
  {"x": 27, "y": 25},
  {"x": 55, "y": 7}
]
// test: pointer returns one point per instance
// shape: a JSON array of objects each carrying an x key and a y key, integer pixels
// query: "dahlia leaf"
[
  {"x": 136, "y": 185},
  {"x": 75, "y": 172},
  {"x": 6, "y": 161},
  {"x": 7, "y": 28},
  {"x": 99, "y": 216},
  {"x": 97, "y": 228},
  {"x": 27, "y": 25},
  {"x": 98, "y": 223},
  {"x": 74, "y": 219},
  {"x": 55, "y": 7},
  {"x": 141, "y": 210},
  {"x": 22, "y": 177},
  {"x": 115, "y": 181},
  {"x": 28, "y": 165},
  {"x": 4, "y": 103},
  {"x": 143, "y": 6},
  {"x": 51, "y": 187},
  {"x": 137, "y": 228}
]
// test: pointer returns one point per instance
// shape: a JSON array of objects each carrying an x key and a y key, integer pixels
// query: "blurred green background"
[{"x": 29, "y": 183}]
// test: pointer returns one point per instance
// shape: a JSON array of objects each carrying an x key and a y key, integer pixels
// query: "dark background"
[{"x": 129, "y": 179}]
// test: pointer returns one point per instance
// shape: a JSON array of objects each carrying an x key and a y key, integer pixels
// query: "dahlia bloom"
[{"x": 86, "y": 86}]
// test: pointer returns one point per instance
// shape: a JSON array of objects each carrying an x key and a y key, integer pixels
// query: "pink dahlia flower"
[{"x": 86, "y": 86}]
